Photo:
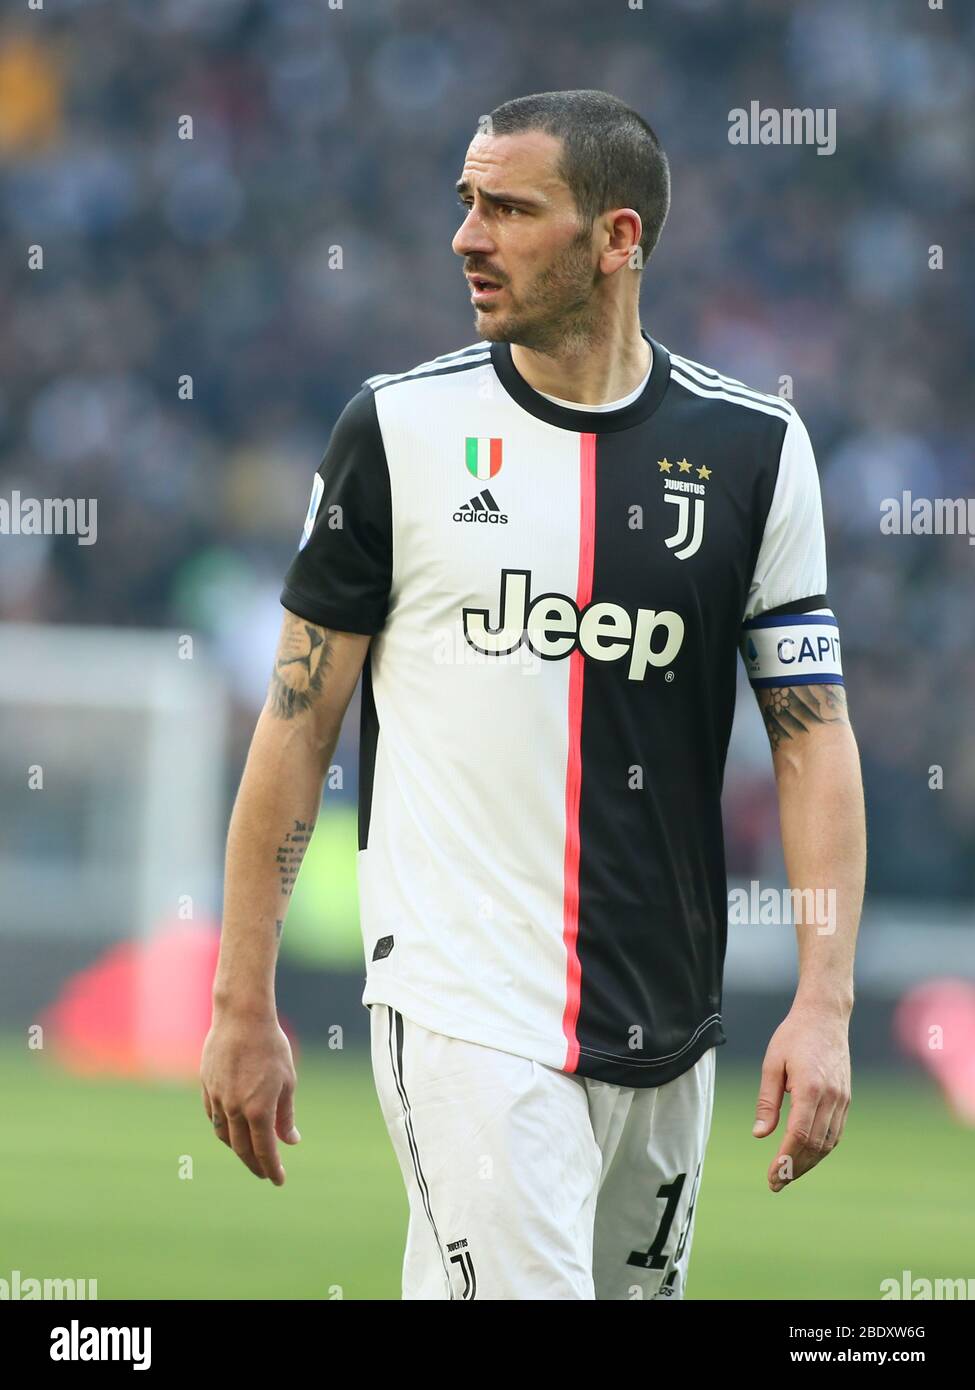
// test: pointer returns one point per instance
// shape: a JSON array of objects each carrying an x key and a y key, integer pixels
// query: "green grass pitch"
[{"x": 91, "y": 1188}]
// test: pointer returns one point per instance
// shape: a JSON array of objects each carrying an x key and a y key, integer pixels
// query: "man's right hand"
[
  {"x": 248, "y": 1079},
  {"x": 246, "y": 1069}
]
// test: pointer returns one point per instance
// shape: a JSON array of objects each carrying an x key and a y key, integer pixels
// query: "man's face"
[{"x": 531, "y": 267}]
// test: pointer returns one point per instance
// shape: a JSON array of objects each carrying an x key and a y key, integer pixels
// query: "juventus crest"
[
  {"x": 688, "y": 497},
  {"x": 690, "y": 524}
]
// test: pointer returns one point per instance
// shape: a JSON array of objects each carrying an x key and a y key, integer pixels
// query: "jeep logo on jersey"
[{"x": 553, "y": 627}]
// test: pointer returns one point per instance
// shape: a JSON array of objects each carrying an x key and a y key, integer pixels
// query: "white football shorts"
[{"x": 526, "y": 1182}]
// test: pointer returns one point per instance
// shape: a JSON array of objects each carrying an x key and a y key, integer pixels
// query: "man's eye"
[{"x": 501, "y": 207}]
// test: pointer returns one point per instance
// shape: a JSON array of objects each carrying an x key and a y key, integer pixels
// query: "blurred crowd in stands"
[{"x": 318, "y": 125}]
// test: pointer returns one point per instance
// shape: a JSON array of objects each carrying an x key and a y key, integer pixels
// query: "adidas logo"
[{"x": 481, "y": 508}]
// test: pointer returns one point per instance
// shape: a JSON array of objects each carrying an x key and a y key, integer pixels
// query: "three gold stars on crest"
[{"x": 683, "y": 467}]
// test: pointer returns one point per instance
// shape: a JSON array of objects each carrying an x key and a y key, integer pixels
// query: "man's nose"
[{"x": 471, "y": 237}]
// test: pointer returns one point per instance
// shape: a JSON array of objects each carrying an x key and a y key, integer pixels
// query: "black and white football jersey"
[{"x": 558, "y": 598}]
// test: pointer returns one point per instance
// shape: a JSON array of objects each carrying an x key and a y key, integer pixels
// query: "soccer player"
[{"x": 543, "y": 553}]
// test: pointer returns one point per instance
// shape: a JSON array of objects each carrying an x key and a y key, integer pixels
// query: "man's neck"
[{"x": 602, "y": 371}]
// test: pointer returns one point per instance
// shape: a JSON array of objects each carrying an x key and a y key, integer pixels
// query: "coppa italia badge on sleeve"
[
  {"x": 685, "y": 489},
  {"x": 317, "y": 489}
]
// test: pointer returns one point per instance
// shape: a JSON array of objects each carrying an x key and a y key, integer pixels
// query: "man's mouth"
[{"x": 483, "y": 289}]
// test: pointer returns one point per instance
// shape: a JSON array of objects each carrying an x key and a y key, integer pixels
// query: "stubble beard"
[{"x": 559, "y": 314}]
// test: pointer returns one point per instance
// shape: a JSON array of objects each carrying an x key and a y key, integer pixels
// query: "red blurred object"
[
  {"x": 935, "y": 1022},
  {"x": 142, "y": 1010}
]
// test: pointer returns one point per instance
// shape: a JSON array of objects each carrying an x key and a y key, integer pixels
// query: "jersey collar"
[{"x": 584, "y": 421}]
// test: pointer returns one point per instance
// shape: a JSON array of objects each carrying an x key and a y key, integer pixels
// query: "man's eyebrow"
[{"x": 516, "y": 199}]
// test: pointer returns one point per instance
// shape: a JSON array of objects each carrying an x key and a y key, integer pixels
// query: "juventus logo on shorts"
[
  {"x": 461, "y": 1255},
  {"x": 683, "y": 504}
]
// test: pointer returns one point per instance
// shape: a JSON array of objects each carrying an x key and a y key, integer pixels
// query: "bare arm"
[
  {"x": 315, "y": 673},
  {"x": 821, "y": 813},
  {"x": 247, "y": 1070}
]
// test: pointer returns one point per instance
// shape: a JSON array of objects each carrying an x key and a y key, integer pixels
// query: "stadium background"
[{"x": 214, "y": 258}]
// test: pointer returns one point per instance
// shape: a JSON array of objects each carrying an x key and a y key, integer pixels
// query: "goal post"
[{"x": 112, "y": 787}]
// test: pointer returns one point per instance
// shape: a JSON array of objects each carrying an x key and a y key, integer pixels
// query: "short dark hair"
[{"x": 610, "y": 155}]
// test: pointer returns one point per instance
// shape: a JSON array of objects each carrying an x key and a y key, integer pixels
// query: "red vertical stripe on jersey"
[
  {"x": 495, "y": 463},
  {"x": 573, "y": 771}
]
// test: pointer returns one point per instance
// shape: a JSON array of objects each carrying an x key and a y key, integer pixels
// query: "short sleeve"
[
  {"x": 789, "y": 636},
  {"x": 341, "y": 574},
  {"x": 791, "y": 564}
]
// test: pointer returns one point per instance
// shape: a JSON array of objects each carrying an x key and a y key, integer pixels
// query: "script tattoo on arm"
[
  {"x": 289, "y": 855},
  {"x": 299, "y": 667},
  {"x": 792, "y": 710}
]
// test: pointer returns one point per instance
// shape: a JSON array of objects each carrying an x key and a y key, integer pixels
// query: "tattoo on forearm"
[
  {"x": 792, "y": 710},
  {"x": 299, "y": 667},
  {"x": 289, "y": 855}
]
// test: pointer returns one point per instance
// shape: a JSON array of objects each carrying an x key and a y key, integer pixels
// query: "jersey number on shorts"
[{"x": 654, "y": 1257}]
